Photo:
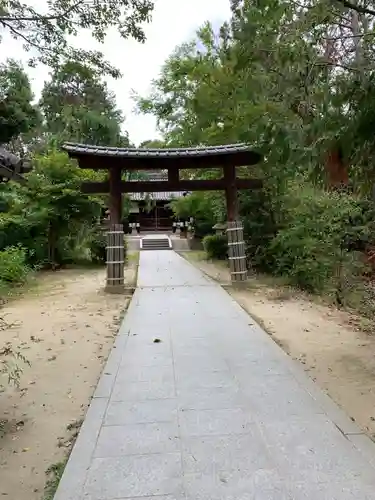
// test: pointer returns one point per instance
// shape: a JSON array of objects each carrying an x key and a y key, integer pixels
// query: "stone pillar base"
[
  {"x": 115, "y": 259},
  {"x": 236, "y": 253}
]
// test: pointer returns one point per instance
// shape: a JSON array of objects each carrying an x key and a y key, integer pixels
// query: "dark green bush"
[
  {"x": 98, "y": 247},
  {"x": 318, "y": 247},
  {"x": 216, "y": 246},
  {"x": 13, "y": 267},
  {"x": 201, "y": 208},
  {"x": 260, "y": 227}
]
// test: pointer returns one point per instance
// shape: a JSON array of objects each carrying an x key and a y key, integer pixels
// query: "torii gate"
[{"x": 117, "y": 160}]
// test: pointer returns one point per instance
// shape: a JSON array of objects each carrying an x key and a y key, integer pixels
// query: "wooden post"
[
  {"x": 236, "y": 244},
  {"x": 173, "y": 175},
  {"x": 115, "y": 259},
  {"x": 115, "y": 237},
  {"x": 115, "y": 196},
  {"x": 231, "y": 193}
]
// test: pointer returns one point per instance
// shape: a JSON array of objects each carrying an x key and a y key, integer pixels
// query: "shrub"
[
  {"x": 13, "y": 267},
  {"x": 260, "y": 227},
  {"x": 10, "y": 367},
  {"x": 98, "y": 247},
  {"x": 201, "y": 208},
  {"x": 216, "y": 246},
  {"x": 317, "y": 248}
]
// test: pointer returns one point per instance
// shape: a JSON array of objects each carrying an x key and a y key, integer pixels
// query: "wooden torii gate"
[{"x": 117, "y": 160}]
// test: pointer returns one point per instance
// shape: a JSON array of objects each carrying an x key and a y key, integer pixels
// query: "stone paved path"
[{"x": 215, "y": 411}]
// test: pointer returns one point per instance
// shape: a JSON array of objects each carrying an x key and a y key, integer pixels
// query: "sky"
[{"x": 173, "y": 22}]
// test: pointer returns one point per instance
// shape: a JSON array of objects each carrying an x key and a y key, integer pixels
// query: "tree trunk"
[
  {"x": 336, "y": 170},
  {"x": 52, "y": 242}
]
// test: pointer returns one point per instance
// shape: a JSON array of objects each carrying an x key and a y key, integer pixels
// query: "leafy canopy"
[
  {"x": 77, "y": 106},
  {"x": 17, "y": 113},
  {"x": 48, "y": 31}
]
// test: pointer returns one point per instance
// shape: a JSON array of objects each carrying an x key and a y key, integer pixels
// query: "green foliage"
[
  {"x": 98, "y": 247},
  {"x": 200, "y": 207},
  {"x": 49, "y": 213},
  {"x": 78, "y": 107},
  {"x": 295, "y": 80},
  {"x": 49, "y": 32},
  {"x": 260, "y": 227},
  {"x": 17, "y": 113},
  {"x": 321, "y": 238},
  {"x": 216, "y": 246},
  {"x": 54, "y": 474},
  {"x": 13, "y": 266},
  {"x": 11, "y": 360}
]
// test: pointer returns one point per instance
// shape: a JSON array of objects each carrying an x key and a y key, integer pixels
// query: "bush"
[
  {"x": 98, "y": 247},
  {"x": 13, "y": 267},
  {"x": 201, "y": 208},
  {"x": 318, "y": 247},
  {"x": 10, "y": 367},
  {"x": 260, "y": 227},
  {"x": 216, "y": 246}
]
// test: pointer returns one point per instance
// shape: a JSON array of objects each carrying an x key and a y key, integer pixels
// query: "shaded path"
[{"x": 215, "y": 411}]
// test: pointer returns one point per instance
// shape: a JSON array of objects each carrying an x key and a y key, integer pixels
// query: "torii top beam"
[{"x": 103, "y": 158}]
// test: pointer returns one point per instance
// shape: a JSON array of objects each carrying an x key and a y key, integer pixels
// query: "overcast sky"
[{"x": 173, "y": 22}]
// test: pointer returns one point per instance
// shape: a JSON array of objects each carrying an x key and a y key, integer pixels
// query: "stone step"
[{"x": 156, "y": 244}]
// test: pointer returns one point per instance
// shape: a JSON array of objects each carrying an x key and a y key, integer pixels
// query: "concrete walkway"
[{"x": 215, "y": 411}]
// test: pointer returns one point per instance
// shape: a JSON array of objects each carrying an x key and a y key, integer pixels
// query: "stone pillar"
[
  {"x": 115, "y": 259},
  {"x": 236, "y": 244},
  {"x": 236, "y": 252}
]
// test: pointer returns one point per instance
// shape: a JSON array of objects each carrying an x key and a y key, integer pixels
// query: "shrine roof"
[
  {"x": 158, "y": 196},
  {"x": 163, "y": 196},
  {"x": 11, "y": 166},
  {"x": 89, "y": 156}
]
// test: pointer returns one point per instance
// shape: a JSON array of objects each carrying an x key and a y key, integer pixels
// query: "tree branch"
[
  {"x": 41, "y": 17},
  {"x": 348, "y": 37},
  {"x": 358, "y": 8},
  {"x": 20, "y": 35},
  {"x": 336, "y": 65}
]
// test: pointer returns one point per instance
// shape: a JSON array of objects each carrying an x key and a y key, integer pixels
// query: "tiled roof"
[
  {"x": 11, "y": 166},
  {"x": 76, "y": 149},
  {"x": 151, "y": 176},
  {"x": 164, "y": 196}
]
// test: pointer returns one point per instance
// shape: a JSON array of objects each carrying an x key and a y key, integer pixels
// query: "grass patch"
[
  {"x": 54, "y": 474},
  {"x": 76, "y": 425},
  {"x": 195, "y": 255},
  {"x": 281, "y": 294},
  {"x": 3, "y": 427},
  {"x": 133, "y": 257},
  {"x": 10, "y": 291}
]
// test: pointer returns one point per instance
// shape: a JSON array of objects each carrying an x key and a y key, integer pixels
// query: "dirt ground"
[
  {"x": 66, "y": 326},
  {"x": 329, "y": 343}
]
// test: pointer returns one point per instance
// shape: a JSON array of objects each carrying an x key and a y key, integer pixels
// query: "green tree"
[
  {"x": 155, "y": 143},
  {"x": 18, "y": 115},
  {"x": 77, "y": 106},
  {"x": 49, "y": 214},
  {"x": 295, "y": 79},
  {"x": 47, "y": 30}
]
